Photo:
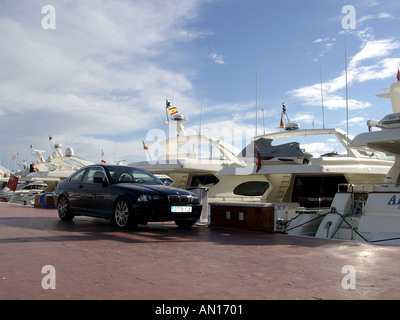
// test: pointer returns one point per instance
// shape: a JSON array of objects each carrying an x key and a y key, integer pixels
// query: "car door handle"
[{"x": 80, "y": 186}]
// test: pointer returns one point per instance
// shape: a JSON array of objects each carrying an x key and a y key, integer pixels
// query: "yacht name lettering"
[{"x": 394, "y": 201}]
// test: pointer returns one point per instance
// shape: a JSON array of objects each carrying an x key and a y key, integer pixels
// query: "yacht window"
[
  {"x": 252, "y": 188},
  {"x": 73, "y": 163},
  {"x": 204, "y": 181},
  {"x": 316, "y": 191}
]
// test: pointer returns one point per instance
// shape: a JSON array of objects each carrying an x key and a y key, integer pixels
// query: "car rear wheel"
[
  {"x": 63, "y": 209},
  {"x": 123, "y": 216}
]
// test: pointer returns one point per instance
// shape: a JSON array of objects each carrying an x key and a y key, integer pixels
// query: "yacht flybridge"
[
  {"x": 56, "y": 167},
  {"x": 357, "y": 212}
]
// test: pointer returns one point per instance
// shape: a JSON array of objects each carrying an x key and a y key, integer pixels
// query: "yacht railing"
[{"x": 363, "y": 187}]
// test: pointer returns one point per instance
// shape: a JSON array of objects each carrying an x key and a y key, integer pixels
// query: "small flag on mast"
[
  {"x": 258, "y": 159},
  {"x": 172, "y": 110},
  {"x": 147, "y": 149},
  {"x": 12, "y": 182}
]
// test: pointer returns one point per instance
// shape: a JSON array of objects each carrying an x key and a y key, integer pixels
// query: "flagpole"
[
  {"x": 322, "y": 95},
  {"x": 347, "y": 90},
  {"x": 201, "y": 108},
  {"x": 263, "y": 121},
  {"x": 256, "y": 80},
  {"x": 167, "y": 105}
]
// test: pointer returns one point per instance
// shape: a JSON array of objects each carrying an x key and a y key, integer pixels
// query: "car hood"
[{"x": 153, "y": 188}]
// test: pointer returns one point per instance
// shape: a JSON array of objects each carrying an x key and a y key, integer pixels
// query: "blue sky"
[{"x": 99, "y": 80}]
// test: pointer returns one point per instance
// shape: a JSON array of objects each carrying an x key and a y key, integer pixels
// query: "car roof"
[{"x": 108, "y": 165}]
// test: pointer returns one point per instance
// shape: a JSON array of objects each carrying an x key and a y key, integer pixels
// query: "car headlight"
[
  {"x": 146, "y": 198},
  {"x": 195, "y": 200}
]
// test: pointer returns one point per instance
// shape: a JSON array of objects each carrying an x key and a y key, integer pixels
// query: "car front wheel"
[
  {"x": 123, "y": 216},
  {"x": 63, "y": 209}
]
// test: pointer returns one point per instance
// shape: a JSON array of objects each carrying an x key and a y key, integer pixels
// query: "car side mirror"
[{"x": 100, "y": 180}]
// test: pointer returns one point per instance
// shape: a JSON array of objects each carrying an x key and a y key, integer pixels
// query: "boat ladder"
[{"x": 285, "y": 182}]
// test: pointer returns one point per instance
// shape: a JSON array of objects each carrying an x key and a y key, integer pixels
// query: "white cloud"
[
  {"x": 316, "y": 148},
  {"x": 320, "y": 40},
  {"x": 217, "y": 58},
  {"x": 326, "y": 44},
  {"x": 374, "y": 49},
  {"x": 382, "y": 15},
  {"x": 105, "y": 70},
  {"x": 303, "y": 118},
  {"x": 354, "y": 121},
  {"x": 373, "y": 61}
]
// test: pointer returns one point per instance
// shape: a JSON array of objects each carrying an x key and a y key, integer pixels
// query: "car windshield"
[{"x": 133, "y": 175}]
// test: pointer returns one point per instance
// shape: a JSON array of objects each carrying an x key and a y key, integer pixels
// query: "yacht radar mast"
[
  {"x": 289, "y": 125},
  {"x": 178, "y": 120}
]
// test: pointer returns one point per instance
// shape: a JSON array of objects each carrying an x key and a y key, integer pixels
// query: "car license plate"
[{"x": 181, "y": 209}]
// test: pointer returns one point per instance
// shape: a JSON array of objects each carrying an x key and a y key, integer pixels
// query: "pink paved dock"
[{"x": 94, "y": 260}]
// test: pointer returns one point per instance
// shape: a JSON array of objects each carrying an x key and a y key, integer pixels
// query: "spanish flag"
[{"x": 172, "y": 110}]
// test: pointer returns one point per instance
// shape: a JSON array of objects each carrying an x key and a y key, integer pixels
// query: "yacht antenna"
[
  {"x": 322, "y": 95},
  {"x": 201, "y": 109},
  {"x": 347, "y": 91},
  {"x": 256, "y": 79},
  {"x": 263, "y": 120},
  {"x": 284, "y": 112},
  {"x": 167, "y": 106}
]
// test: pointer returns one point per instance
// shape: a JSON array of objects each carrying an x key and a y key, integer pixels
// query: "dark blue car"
[{"x": 126, "y": 195}]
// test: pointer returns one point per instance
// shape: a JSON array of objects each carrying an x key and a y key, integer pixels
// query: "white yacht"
[
  {"x": 288, "y": 177},
  {"x": 42, "y": 175},
  {"x": 283, "y": 175},
  {"x": 4, "y": 177},
  {"x": 358, "y": 214},
  {"x": 26, "y": 192},
  {"x": 56, "y": 167},
  {"x": 189, "y": 160}
]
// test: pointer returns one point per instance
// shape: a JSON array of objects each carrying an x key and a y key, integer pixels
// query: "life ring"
[{"x": 43, "y": 203}]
